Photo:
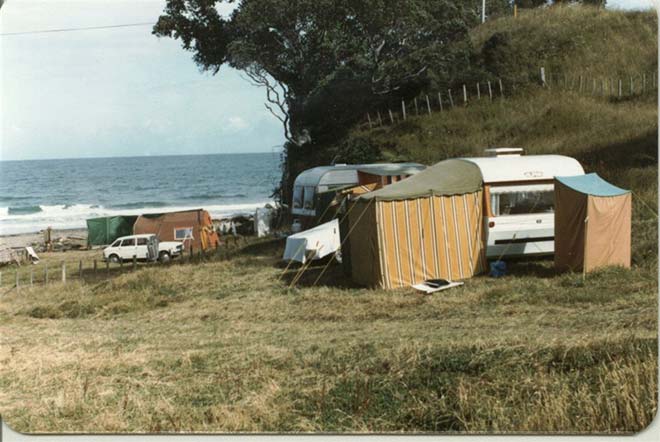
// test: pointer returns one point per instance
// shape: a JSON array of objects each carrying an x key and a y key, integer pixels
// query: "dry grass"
[{"x": 223, "y": 346}]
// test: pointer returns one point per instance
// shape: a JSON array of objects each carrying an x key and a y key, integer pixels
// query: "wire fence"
[
  {"x": 90, "y": 269},
  {"x": 489, "y": 91}
]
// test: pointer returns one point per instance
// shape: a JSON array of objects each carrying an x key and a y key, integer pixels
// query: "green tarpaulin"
[
  {"x": 450, "y": 177},
  {"x": 102, "y": 231}
]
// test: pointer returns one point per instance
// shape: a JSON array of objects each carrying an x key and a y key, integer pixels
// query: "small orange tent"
[
  {"x": 592, "y": 223},
  {"x": 192, "y": 227}
]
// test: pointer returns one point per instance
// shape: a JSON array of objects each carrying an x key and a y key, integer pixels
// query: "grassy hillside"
[
  {"x": 570, "y": 40},
  {"x": 224, "y": 345}
]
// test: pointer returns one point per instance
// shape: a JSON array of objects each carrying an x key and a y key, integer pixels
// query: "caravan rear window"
[
  {"x": 297, "y": 197},
  {"x": 309, "y": 198},
  {"x": 522, "y": 200}
]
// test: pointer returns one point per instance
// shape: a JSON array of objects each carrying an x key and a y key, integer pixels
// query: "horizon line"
[{"x": 139, "y": 156}]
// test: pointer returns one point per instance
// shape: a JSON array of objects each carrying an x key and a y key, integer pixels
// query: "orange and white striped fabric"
[{"x": 404, "y": 242}]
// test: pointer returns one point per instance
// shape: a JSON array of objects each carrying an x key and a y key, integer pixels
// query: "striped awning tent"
[{"x": 426, "y": 227}]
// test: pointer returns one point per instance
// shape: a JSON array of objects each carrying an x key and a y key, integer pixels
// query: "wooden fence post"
[
  {"x": 632, "y": 89},
  {"x": 643, "y": 83},
  {"x": 416, "y": 108},
  {"x": 80, "y": 270},
  {"x": 501, "y": 88},
  {"x": 602, "y": 86},
  {"x": 380, "y": 123},
  {"x": 464, "y": 95},
  {"x": 490, "y": 91},
  {"x": 31, "y": 277},
  {"x": 620, "y": 88},
  {"x": 428, "y": 105},
  {"x": 440, "y": 101},
  {"x": 17, "y": 280},
  {"x": 46, "y": 274},
  {"x": 95, "y": 267},
  {"x": 593, "y": 87},
  {"x": 543, "y": 77},
  {"x": 391, "y": 116},
  {"x": 191, "y": 253},
  {"x": 369, "y": 119},
  {"x": 451, "y": 99},
  {"x": 403, "y": 109},
  {"x": 134, "y": 262},
  {"x": 478, "y": 92},
  {"x": 63, "y": 272},
  {"x": 580, "y": 85}
]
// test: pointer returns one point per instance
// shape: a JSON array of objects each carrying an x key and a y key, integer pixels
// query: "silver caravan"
[
  {"x": 519, "y": 200},
  {"x": 321, "y": 179}
]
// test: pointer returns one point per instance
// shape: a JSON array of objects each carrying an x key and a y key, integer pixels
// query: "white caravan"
[{"x": 519, "y": 200}]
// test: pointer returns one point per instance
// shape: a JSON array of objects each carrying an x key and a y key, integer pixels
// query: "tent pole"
[
  {"x": 303, "y": 268},
  {"x": 291, "y": 260},
  {"x": 584, "y": 250}
]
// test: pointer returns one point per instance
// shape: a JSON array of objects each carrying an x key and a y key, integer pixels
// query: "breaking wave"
[
  {"x": 23, "y": 210},
  {"x": 36, "y": 218}
]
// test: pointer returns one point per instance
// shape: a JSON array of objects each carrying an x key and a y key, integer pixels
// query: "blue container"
[{"x": 497, "y": 269}]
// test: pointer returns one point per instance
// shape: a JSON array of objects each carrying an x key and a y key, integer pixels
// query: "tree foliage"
[{"x": 324, "y": 62}]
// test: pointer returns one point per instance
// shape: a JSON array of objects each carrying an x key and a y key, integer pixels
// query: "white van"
[
  {"x": 519, "y": 200},
  {"x": 142, "y": 247}
]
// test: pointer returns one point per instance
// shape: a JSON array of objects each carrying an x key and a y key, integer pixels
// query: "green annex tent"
[{"x": 102, "y": 231}]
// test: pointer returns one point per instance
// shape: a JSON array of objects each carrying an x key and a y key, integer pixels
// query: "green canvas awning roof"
[{"x": 450, "y": 177}]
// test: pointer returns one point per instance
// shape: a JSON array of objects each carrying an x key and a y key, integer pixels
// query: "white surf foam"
[{"x": 75, "y": 216}]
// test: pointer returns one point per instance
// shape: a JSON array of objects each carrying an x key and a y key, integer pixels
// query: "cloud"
[{"x": 237, "y": 124}]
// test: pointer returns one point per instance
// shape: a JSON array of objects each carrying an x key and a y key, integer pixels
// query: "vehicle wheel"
[
  {"x": 164, "y": 257},
  {"x": 114, "y": 259}
]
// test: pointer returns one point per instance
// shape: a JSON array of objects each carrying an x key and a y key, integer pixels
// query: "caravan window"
[
  {"x": 181, "y": 233},
  {"x": 522, "y": 200},
  {"x": 309, "y": 198},
  {"x": 297, "y": 197}
]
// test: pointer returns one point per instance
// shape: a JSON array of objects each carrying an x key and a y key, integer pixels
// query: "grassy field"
[{"x": 225, "y": 345}]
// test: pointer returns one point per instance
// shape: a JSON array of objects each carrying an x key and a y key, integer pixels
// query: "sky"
[
  {"x": 121, "y": 91},
  {"x": 116, "y": 92}
]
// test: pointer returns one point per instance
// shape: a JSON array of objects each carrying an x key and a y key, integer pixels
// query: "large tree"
[{"x": 322, "y": 62}]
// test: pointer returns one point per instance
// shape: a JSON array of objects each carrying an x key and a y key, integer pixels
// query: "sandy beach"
[{"x": 37, "y": 239}]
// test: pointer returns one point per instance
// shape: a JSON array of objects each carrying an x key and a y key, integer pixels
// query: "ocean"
[{"x": 62, "y": 194}]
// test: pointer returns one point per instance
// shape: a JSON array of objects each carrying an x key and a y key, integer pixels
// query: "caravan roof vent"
[{"x": 504, "y": 152}]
